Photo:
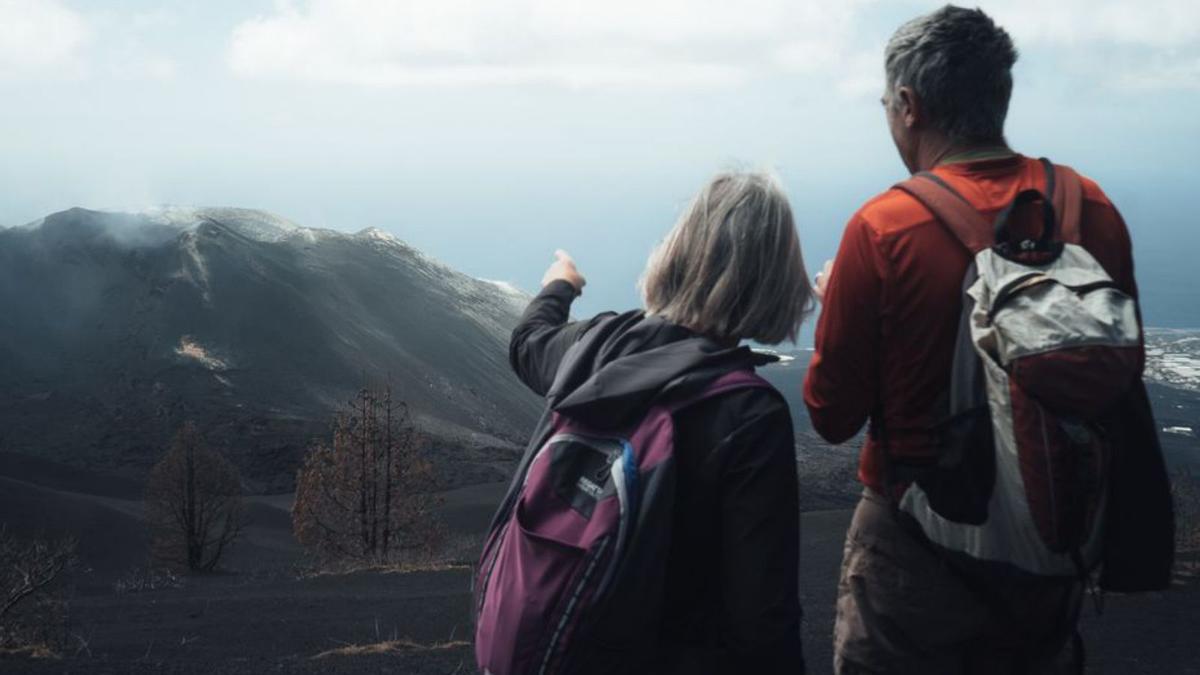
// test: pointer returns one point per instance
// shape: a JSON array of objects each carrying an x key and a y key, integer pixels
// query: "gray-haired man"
[{"x": 885, "y": 344}]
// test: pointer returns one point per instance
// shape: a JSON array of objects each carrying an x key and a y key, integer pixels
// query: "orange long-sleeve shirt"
[{"x": 891, "y": 311}]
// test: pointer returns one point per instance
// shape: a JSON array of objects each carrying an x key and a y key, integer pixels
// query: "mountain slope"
[{"x": 116, "y": 327}]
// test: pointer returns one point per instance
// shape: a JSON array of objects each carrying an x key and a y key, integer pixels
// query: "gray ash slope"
[{"x": 116, "y": 327}]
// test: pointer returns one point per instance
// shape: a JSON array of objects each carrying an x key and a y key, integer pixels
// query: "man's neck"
[{"x": 942, "y": 151}]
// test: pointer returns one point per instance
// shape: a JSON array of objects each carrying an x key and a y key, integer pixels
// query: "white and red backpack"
[{"x": 1047, "y": 344}]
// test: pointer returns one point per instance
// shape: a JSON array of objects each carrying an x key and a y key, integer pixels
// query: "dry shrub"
[
  {"x": 37, "y": 651},
  {"x": 33, "y": 596},
  {"x": 148, "y": 578},
  {"x": 392, "y": 647}
]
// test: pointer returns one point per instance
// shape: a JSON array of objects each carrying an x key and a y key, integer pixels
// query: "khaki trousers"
[{"x": 901, "y": 609}]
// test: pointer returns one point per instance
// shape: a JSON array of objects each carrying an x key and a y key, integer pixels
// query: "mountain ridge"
[{"x": 117, "y": 326}]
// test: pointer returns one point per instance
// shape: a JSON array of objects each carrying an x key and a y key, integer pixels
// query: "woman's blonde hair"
[{"x": 731, "y": 268}]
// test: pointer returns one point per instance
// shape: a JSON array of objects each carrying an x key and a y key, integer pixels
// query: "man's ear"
[{"x": 909, "y": 105}]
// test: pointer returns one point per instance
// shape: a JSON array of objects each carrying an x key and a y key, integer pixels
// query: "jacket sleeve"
[
  {"x": 760, "y": 547},
  {"x": 543, "y": 336},
  {"x": 841, "y": 387}
]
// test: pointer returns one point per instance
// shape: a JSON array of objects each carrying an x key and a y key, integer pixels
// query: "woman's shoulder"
[
  {"x": 731, "y": 414},
  {"x": 745, "y": 405}
]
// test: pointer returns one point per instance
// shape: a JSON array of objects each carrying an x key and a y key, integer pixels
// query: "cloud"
[
  {"x": 1146, "y": 23},
  {"x": 1153, "y": 43},
  {"x": 1120, "y": 45},
  {"x": 44, "y": 38},
  {"x": 36, "y": 35},
  {"x": 559, "y": 42}
]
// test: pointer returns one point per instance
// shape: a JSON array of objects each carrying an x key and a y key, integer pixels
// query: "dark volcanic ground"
[{"x": 264, "y": 616}]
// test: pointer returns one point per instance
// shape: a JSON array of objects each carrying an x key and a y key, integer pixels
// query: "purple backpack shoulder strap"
[{"x": 735, "y": 379}]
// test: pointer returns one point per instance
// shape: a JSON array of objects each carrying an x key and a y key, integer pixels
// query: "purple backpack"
[{"x": 572, "y": 569}]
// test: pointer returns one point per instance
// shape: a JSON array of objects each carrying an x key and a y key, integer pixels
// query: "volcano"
[{"x": 116, "y": 327}]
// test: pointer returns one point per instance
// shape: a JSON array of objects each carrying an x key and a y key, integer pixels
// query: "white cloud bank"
[
  {"x": 1155, "y": 24},
  {"x": 37, "y": 35},
  {"x": 563, "y": 42},
  {"x": 47, "y": 38},
  {"x": 664, "y": 42},
  {"x": 1123, "y": 45}
]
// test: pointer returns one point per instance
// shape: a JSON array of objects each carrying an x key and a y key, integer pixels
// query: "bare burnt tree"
[
  {"x": 30, "y": 569},
  {"x": 366, "y": 495},
  {"x": 193, "y": 504}
]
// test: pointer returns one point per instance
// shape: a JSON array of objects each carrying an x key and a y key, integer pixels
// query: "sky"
[{"x": 489, "y": 134}]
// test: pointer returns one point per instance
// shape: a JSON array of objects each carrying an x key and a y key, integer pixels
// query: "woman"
[{"x": 730, "y": 270}]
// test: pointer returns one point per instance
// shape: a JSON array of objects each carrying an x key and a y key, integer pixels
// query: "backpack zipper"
[{"x": 562, "y": 622}]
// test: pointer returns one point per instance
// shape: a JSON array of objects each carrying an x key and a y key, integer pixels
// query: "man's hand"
[
  {"x": 564, "y": 268},
  {"x": 822, "y": 280}
]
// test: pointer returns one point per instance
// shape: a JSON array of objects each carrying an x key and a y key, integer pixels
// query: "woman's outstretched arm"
[
  {"x": 543, "y": 336},
  {"x": 546, "y": 331}
]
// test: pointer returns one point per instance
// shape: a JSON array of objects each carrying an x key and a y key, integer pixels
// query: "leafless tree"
[
  {"x": 367, "y": 494},
  {"x": 29, "y": 568},
  {"x": 193, "y": 504}
]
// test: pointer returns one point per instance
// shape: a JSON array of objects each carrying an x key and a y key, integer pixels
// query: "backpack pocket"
[
  {"x": 1075, "y": 347},
  {"x": 535, "y": 576},
  {"x": 1082, "y": 382},
  {"x": 959, "y": 485},
  {"x": 1062, "y": 465}
]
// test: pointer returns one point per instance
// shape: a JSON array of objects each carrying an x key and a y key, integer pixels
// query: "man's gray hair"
[
  {"x": 732, "y": 268},
  {"x": 959, "y": 62}
]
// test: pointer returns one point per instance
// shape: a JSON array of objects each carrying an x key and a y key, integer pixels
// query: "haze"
[{"x": 489, "y": 134}]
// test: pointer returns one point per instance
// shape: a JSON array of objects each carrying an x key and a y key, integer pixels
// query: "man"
[{"x": 884, "y": 346}]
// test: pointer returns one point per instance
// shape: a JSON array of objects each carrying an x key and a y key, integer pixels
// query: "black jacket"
[{"x": 731, "y": 601}]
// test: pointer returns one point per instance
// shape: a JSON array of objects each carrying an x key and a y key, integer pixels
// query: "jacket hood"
[{"x": 620, "y": 366}]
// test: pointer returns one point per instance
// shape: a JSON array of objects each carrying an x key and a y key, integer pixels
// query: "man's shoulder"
[
  {"x": 891, "y": 211},
  {"x": 1099, "y": 212},
  {"x": 1092, "y": 192}
]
